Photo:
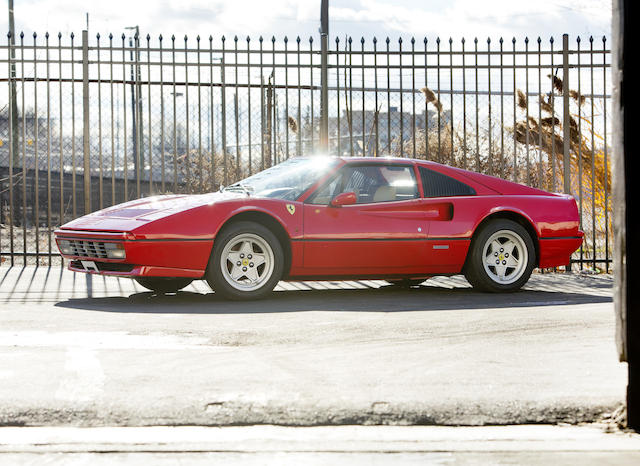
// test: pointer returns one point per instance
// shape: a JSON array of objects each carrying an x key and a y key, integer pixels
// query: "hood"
[{"x": 130, "y": 215}]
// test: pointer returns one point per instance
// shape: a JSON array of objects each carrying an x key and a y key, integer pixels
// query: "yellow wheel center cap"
[
  {"x": 245, "y": 262},
  {"x": 501, "y": 257}
]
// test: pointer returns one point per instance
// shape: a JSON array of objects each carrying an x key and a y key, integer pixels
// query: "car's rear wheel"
[
  {"x": 162, "y": 285},
  {"x": 501, "y": 258},
  {"x": 247, "y": 261}
]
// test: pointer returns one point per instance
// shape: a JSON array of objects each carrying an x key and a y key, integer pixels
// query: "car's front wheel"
[
  {"x": 162, "y": 285},
  {"x": 246, "y": 262},
  {"x": 501, "y": 258}
]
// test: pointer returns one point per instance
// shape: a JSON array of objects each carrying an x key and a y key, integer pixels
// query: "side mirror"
[{"x": 342, "y": 199}]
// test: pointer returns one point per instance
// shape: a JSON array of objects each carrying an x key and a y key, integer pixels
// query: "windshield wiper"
[{"x": 238, "y": 187}]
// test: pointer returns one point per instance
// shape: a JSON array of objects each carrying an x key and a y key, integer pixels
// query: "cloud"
[
  {"x": 470, "y": 18},
  {"x": 453, "y": 18}
]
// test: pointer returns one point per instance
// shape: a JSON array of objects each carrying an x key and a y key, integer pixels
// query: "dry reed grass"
[
  {"x": 293, "y": 124},
  {"x": 205, "y": 174},
  {"x": 590, "y": 171},
  {"x": 431, "y": 98}
]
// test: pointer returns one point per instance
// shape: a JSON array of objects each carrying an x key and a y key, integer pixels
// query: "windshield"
[{"x": 287, "y": 180}]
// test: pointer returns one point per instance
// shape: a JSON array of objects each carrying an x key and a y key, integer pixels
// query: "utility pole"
[
  {"x": 136, "y": 105},
  {"x": 133, "y": 106},
  {"x": 324, "y": 94},
  {"x": 269, "y": 124},
  {"x": 13, "y": 102}
]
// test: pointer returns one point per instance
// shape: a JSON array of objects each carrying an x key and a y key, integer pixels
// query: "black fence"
[{"x": 149, "y": 115}]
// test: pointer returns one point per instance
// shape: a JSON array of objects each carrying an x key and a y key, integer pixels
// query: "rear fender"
[{"x": 516, "y": 215}]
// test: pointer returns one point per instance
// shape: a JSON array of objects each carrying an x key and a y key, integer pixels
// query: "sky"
[{"x": 356, "y": 18}]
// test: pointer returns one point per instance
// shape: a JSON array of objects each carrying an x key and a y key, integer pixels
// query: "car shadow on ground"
[{"x": 383, "y": 299}]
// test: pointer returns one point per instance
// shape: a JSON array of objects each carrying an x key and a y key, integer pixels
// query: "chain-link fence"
[{"x": 146, "y": 115}]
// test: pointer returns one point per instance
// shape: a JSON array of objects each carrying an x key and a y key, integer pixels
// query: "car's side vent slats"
[{"x": 438, "y": 185}]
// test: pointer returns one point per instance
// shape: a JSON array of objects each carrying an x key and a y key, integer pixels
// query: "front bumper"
[
  {"x": 169, "y": 257},
  {"x": 132, "y": 271}
]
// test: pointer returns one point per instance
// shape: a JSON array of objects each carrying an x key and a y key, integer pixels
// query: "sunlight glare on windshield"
[{"x": 289, "y": 179}]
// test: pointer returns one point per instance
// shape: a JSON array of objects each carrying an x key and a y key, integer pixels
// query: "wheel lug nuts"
[
  {"x": 506, "y": 254},
  {"x": 249, "y": 256},
  {"x": 495, "y": 254},
  {"x": 241, "y": 256},
  {"x": 504, "y": 262},
  {"x": 501, "y": 250},
  {"x": 250, "y": 264},
  {"x": 497, "y": 262},
  {"x": 244, "y": 269},
  {"x": 238, "y": 263}
]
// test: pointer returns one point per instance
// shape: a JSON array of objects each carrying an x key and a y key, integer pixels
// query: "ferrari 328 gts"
[{"x": 323, "y": 218}]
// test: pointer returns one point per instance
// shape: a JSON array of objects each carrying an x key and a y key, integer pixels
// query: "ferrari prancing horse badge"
[{"x": 291, "y": 208}]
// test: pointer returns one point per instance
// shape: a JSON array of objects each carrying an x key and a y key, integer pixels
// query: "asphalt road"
[{"x": 93, "y": 351}]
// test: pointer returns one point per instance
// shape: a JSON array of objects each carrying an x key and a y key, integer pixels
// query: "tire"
[
  {"x": 247, "y": 261},
  {"x": 501, "y": 257},
  {"x": 162, "y": 285},
  {"x": 406, "y": 282}
]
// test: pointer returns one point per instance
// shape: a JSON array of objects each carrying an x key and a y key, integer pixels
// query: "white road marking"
[
  {"x": 358, "y": 439},
  {"x": 98, "y": 340},
  {"x": 84, "y": 377}
]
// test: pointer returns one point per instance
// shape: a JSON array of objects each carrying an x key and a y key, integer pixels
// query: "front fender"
[{"x": 289, "y": 218}]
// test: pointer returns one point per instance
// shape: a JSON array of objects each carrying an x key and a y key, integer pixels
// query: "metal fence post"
[
  {"x": 85, "y": 122},
  {"x": 324, "y": 94},
  {"x": 566, "y": 115},
  {"x": 13, "y": 140},
  {"x": 13, "y": 96}
]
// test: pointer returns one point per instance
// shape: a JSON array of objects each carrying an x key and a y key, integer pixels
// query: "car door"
[{"x": 384, "y": 232}]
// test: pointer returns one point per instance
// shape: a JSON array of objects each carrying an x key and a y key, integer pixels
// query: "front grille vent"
[{"x": 84, "y": 248}]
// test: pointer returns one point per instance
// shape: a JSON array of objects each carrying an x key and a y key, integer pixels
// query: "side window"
[
  {"x": 324, "y": 195},
  {"x": 371, "y": 183},
  {"x": 363, "y": 181},
  {"x": 438, "y": 185}
]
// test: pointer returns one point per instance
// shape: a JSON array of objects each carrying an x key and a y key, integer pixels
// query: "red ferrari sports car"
[{"x": 331, "y": 218}]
